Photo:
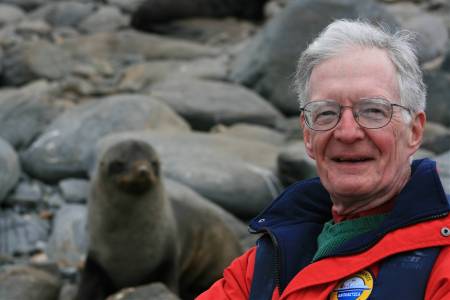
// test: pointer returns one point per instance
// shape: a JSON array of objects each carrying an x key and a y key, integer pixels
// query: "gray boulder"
[
  {"x": 10, "y": 14},
  {"x": 23, "y": 282},
  {"x": 67, "y": 245},
  {"x": 22, "y": 235},
  {"x": 251, "y": 132},
  {"x": 33, "y": 29},
  {"x": 26, "y": 5},
  {"x": 294, "y": 164},
  {"x": 223, "y": 32},
  {"x": 35, "y": 59},
  {"x": 9, "y": 169},
  {"x": 431, "y": 31},
  {"x": 64, "y": 13},
  {"x": 1, "y": 61},
  {"x": 27, "y": 194},
  {"x": 154, "y": 291},
  {"x": 129, "y": 45},
  {"x": 268, "y": 62},
  {"x": 127, "y": 6},
  {"x": 61, "y": 151},
  {"x": 292, "y": 128},
  {"x": 237, "y": 175},
  {"x": 205, "y": 103},
  {"x": 74, "y": 190},
  {"x": 443, "y": 164},
  {"x": 24, "y": 114},
  {"x": 436, "y": 138},
  {"x": 423, "y": 153},
  {"x": 105, "y": 19},
  {"x": 141, "y": 76},
  {"x": 438, "y": 104}
]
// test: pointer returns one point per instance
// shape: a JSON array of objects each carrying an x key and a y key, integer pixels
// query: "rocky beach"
[{"x": 207, "y": 83}]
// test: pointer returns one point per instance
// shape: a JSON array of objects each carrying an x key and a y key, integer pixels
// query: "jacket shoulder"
[{"x": 236, "y": 281}]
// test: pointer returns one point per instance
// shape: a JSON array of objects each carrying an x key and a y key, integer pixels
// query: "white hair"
[{"x": 344, "y": 34}]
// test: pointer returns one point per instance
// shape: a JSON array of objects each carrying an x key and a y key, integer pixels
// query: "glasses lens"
[
  {"x": 322, "y": 115},
  {"x": 373, "y": 113}
]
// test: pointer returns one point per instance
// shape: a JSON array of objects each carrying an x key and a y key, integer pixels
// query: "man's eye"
[
  {"x": 324, "y": 116},
  {"x": 327, "y": 113},
  {"x": 374, "y": 113}
]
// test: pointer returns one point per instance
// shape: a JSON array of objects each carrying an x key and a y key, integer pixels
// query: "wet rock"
[
  {"x": 10, "y": 14},
  {"x": 292, "y": 128},
  {"x": 268, "y": 62},
  {"x": 23, "y": 282},
  {"x": 105, "y": 19},
  {"x": 209, "y": 31},
  {"x": 67, "y": 245},
  {"x": 443, "y": 164},
  {"x": 127, "y": 6},
  {"x": 431, "y": 31},
  {"x": 155, "y": 291},
  {"x": 32, "y": 60},
  {"x": 61, "y": 151},
  {"x": 294, "y": 164},
  {"x": 251, "y": 132},
  {"x": 129, "y": 45},
  {"x": 74, "y": 190},
  {"x": 441, "y": 144},
  {"x": 438, "y": 89},
  {"x": 24, "y": 114},
  {"x": 64, "y": 13},
  {"x": 26, "y": 5},
  {"x": 152, "y": 12},
  {"x": 423, "y": 153},
  {"x": 9, "y": 169},
  {"x": 33, "y": 30},
  {"x": 1, "y": 61},
  {"x": 237, "y": 175},
  {"x": 26, "y": 193},
  {"x": 22, "y": 234},
  {"x": 205, "y": 103},
  {"x": 140, "y": 76},
  {"x": 436, "y": 138}
]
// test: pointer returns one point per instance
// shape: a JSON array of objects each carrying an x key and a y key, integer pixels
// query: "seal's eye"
[{"x": 116, "y": 167}]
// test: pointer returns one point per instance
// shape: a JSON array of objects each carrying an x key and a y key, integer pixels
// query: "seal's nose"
[{"x": 143, "y": 171}]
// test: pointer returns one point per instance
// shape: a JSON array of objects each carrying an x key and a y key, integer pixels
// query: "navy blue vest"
[{"x": 296, "y": 217}]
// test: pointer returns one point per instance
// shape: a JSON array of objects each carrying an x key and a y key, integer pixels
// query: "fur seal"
[{"x": 137, "y": 235}]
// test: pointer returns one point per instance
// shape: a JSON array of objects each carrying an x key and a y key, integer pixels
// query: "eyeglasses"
[{"x": 371, "y": 113}]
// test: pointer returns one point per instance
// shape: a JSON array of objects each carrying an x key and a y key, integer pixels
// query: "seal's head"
[{"x": 132, "y": 166}]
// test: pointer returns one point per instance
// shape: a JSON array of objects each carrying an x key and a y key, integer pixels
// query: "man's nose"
[{"x": 348, "y": 130}]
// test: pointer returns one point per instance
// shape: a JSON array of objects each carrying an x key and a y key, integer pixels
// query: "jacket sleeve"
[
  {"x": 236, "y": 281},
  {"x": 438, "y": 287}
]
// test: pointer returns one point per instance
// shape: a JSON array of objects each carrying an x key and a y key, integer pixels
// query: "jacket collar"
[{"x": 308, "y": 201}]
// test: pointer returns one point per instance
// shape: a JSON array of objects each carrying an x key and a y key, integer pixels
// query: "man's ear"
[
  {"x": 416, "y": 131},
  {"x": 306, "y": 137}
]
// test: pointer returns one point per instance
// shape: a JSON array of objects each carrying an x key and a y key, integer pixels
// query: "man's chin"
[{"x": 348, "y": 187}]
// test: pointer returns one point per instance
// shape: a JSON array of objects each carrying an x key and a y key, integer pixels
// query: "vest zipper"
[{"x": 276, "y": 261}]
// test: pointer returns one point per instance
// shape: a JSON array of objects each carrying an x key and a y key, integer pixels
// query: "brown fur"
[{"x": 137, "y": 235}]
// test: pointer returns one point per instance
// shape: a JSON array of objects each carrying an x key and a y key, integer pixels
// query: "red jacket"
[{"x": 320, "y": 279}]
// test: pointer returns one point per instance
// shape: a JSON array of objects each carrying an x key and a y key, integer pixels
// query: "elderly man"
[{"x": 373, "y": 225}]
